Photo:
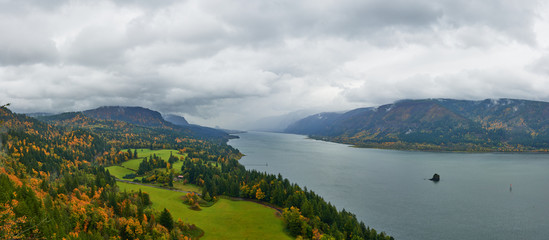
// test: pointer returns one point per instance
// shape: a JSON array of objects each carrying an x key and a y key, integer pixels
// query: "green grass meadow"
[
  {"x": 187, "y": 187},
  {"x": 119, "y": 171},
  {"x": 132, "y": 164},
  {"x": 226, "y": 219},
  {"x": 162, "y": 153},
  {"x": 177, "y": 165}
]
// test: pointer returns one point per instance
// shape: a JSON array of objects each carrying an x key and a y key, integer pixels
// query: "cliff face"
[{"x": 177, "y": 120}]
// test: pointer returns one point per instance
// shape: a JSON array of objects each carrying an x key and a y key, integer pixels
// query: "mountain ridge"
[
  {"x": 130, "y": 114},
  {"x": 437, "y": 124},
  {"x": 176, "y": 119},
  {"x": 135, "y": 115}
]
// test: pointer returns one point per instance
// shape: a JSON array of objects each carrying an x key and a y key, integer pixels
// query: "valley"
[
  {"x": 305, "y": 120},
  {"x": 130, "y": 166},
  {"x": 72, "y": 160}
]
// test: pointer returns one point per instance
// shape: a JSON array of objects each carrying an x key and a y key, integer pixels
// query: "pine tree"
[
  {"x": 207, "y": 197},
  {"x": 166, "y": 219}
]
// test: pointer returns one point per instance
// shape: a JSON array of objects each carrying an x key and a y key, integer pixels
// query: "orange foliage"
[
  {"x": 16, "y": 181},
  {"x": 10, "y": 226}
]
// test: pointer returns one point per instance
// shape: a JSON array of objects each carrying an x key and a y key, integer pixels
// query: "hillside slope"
[
  {"x": 437, "y": 124},
  {"x": 139, "y": 117},
  {"x": 53, "y": 185},
  {"x": 134, "y": 115}
]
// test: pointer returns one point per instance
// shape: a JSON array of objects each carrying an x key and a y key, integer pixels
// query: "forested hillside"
[
  {"x": 52, "y": 187},
  {"x": 437, "y": 124},
  {"x": 54, "y": 183},
  {"x": 148, "y": 118}
]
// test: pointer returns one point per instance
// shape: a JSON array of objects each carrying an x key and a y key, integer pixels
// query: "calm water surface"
[{"x": 388, "y": 189}]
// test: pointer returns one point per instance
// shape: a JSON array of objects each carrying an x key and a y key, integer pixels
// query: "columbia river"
[{"x": 480, "y": 195}]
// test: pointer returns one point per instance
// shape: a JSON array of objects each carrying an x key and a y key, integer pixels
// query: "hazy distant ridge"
[{"x": 177, "y": 120}]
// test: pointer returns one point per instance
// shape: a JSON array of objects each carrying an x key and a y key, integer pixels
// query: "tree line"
[{"x": 306, "y": 214}]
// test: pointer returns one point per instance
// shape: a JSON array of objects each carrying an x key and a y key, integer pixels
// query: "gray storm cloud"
[{"x": 228, "y": 63}]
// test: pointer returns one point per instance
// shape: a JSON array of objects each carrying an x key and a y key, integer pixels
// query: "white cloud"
[{"x": 219, "y": 62}]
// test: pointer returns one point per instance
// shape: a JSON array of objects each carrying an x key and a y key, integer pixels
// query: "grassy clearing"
[
  {"x": 226, "y": 219},
  {"x": 119, "y": 171},
  {"x": 162, "y": 153},
  {"x": 187, "y": 187},
  {"x": 132, "y": 164},
  {"x": 177, "y": 166}
]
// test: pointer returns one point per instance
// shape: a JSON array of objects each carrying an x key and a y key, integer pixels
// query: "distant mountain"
[
  {"x": 204, "y": 131},
  {"x": 177, "y": 120},
  {"x": 278, "y": 123},
  {"x": 437, "y": 124},
  {"x": 142, "y": 118},
  {"x": 134, "y": 115},
  {"x": 315, "y": 124}
]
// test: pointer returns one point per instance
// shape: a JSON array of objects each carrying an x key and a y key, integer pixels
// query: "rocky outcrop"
[{"x": 435, "y": 178}]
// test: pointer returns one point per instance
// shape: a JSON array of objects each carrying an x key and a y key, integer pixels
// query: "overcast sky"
[{"x": 220, "y": 62}]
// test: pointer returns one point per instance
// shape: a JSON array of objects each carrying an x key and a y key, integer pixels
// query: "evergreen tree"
[
  {"x": 166, "y": 219},
  {"x": 292, "y": 221},
  {"x": 207, "y": 197}
]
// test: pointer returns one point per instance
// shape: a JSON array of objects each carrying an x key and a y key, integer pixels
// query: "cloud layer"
[{"x": 229, "y": 62}]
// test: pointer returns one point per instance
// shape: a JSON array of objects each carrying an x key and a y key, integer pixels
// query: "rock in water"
[{"x": 435, "y": 178}]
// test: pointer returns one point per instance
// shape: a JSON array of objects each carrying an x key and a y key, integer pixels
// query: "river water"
[{"x": 480, "y": 195}]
